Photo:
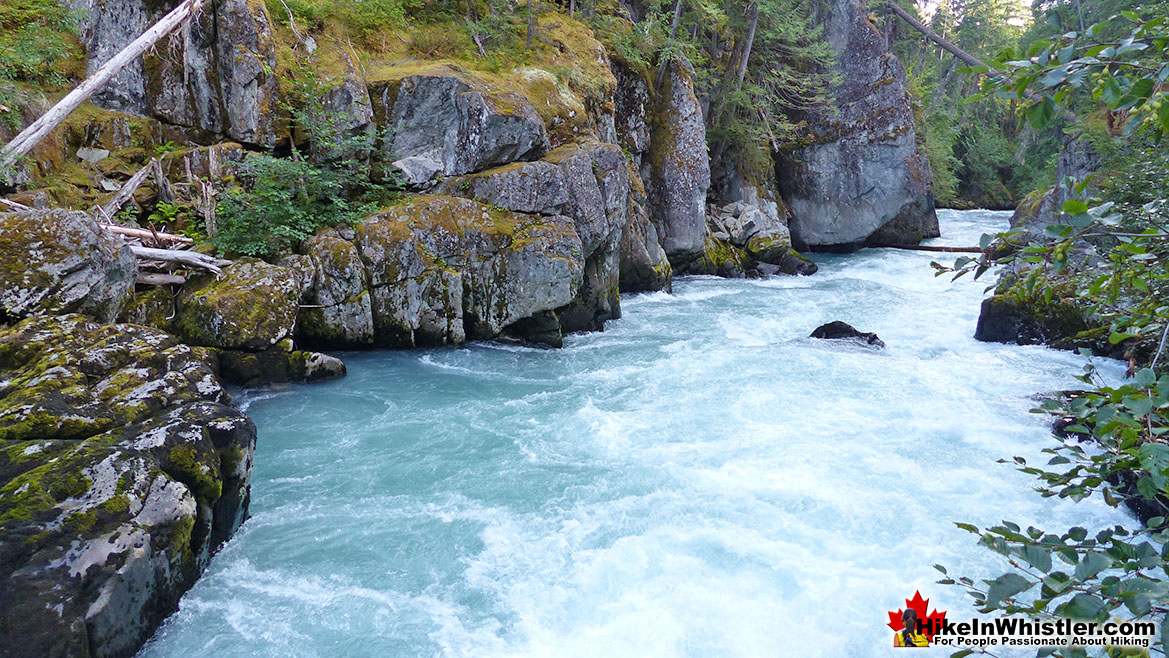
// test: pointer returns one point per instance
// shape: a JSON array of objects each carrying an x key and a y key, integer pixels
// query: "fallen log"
[
  {"x": 146, "y": 235},
  {"x": 188, "y": 258},
  {"x": 160, "y": 279},
  {"x": 927, "y": 247},
  {"x": 111, "y": 207},
  {"x": 31, "y": 136},
  {"x": 14, "y": 205}
]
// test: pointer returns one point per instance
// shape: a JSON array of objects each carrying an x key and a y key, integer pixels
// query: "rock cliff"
[{"x": 861, "y": 180}]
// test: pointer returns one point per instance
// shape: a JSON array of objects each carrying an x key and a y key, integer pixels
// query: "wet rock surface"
[{"x": 838, "y": 330}]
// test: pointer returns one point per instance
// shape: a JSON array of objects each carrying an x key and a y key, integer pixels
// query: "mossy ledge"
[{"x": 122, "y": 468}]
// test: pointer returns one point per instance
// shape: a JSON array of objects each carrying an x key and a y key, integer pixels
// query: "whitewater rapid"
[{"x": 701, "y": 479}]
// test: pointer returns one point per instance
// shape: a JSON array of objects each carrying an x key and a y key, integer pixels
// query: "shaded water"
[{"x": 698, "y": 480}]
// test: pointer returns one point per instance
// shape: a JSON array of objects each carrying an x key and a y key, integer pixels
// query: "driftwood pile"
[{"x": 159, "y": 254}]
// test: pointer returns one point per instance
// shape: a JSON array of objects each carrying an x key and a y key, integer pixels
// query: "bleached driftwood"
[
  {"x": 31, "y": 136},
  {"x": 160, "y": 279},
  {"x": 111, "y": 207},
  {"x": 188, "y": 258},
  {"x": 14, "y": 205},
  {"x": 146, "y": 235}
]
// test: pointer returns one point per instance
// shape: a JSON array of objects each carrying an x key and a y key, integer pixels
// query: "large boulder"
[
  {"x": 443, "y": 121},
  {"x": 862, "y": 179},
  {"x": 220, "y": 80},
  {"x": 589, "y": 182},
  {"x": 252, "y": 306},
  {"x": 444, "y": 270},
  {"x": 122, "y": 468},
  {"x": 677, "y": 170},
  {"x": 338, "y": 307},
  {"x": 56, "y": 262}
]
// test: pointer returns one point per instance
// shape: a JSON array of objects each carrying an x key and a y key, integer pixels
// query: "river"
[{"x": 700, "y": 479}]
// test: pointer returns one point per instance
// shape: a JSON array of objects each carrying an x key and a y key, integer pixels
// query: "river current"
[{"x": 700, "y": 479}]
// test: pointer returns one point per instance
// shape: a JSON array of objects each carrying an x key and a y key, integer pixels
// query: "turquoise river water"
[{"x": 700, "y": 479}]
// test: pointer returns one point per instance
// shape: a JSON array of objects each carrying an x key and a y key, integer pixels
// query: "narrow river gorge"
[{"x": 700, "y": 479}]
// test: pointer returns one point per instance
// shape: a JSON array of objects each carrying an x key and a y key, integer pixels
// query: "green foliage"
[
  {"x": 277, "y": 202},
  {"x": 34, "y": 36},
  {"x": 364, "y": 18},
  {"x": 786, "y": 68},
  {"x": 972, "y": 146},
  {"x": 1115, "y": 435}
]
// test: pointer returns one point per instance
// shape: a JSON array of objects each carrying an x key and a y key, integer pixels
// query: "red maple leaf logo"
[{"x": 919, "y": 606}]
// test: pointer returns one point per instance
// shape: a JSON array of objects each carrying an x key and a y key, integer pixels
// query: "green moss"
[
  {"x": 179, "y": 546},
  {"x": 184, "y": 464}
]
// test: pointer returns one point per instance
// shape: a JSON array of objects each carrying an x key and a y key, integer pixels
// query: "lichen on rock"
[
  {"x": 55, "y": 262},
  {"x": 121, "y": 469},
  {"x": 444, "y": 269},
  {"x": 251, "y": 306}
]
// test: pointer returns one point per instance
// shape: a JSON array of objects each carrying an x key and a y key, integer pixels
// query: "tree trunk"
[
  {"x": 111, "y": 207},
  {"x": 31, "y": 136},
  {"x": 966, "y": 57},
  {"x": 530, "y": 30},
  {"x": 750, "y": 41}
]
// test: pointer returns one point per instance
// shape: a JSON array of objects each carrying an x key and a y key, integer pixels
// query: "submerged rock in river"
[
  {"x": 838, "y": 330},
  {"x": 121, "y": 469}
]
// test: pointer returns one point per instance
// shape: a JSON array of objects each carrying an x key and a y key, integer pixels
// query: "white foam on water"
[{"x": 701, "y": 479}]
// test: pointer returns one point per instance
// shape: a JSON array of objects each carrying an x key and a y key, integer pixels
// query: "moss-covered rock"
[
  {"x": 678, "y": 167},
  {"x": 720, "y": 258},
  {"x": 445, "y": 270},
  {"x": 252, "y": 305},
  {"x": 54, "y": 262},
  {"x": 152, "y": 308},
  {"x": 275, "y": 366},
  {"x": 1025, "y": 314},
  {"x": 338, "y": 310},
  {"x": 121, "y": 469}
]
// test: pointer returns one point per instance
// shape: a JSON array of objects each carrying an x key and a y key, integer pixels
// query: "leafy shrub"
[{"x": 278, "y": 203}]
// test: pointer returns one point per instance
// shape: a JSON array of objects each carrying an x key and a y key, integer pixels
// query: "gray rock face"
[
  {"x": 589, "y": 183},
  {"x": 678, "y": 167},
  {"x": 444, "y": 270},
  {"x": 346, "y": 106},
  {"x": 445, "y": 123},
  {"x": 120, "y": 473},
  {"x": 62, "y": 262},
  {"x": 863, "y": 173},
  {"x": 530, "y": 187},
  {"x": 631, "y": 101},
  {"x": 643, "y": 262},
  {"x": 230, "y": 50},
  {"x": 339, "y": 309},
  {"x": 251, "y": 306}
]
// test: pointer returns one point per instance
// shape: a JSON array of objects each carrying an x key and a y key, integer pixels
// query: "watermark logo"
[{"x": 912, "y": 626}]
